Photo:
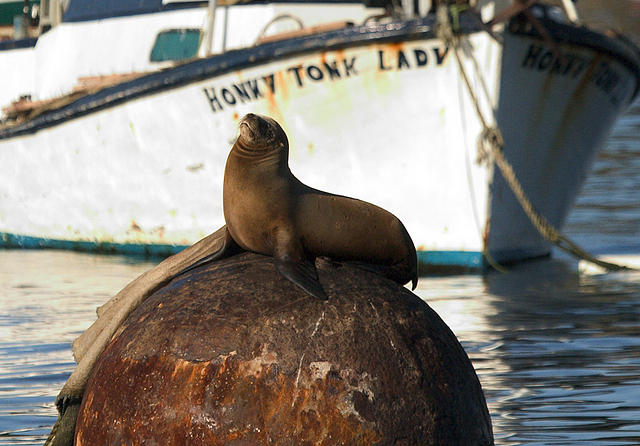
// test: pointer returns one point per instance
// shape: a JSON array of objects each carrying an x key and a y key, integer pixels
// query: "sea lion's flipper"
[
  {"x": 88, "y": 347},
  {"x": 228, "y": 248},
  {"x": 119, "y": 306},
  {"x": 302, "y": 274},
  {"x": 171, "y": 266},
  {"x": 398, "y": 272}
]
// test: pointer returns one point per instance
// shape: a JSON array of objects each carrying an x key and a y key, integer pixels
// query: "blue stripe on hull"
[
  {"x": 434, "y": 262},
  {"x": 429, "y": 261},
  {"x": 26, "y": 242}
]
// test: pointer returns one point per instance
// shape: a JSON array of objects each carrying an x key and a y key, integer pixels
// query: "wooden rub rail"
[
  {"x": 24, "y": 108},
  {"x": 324, "y": 27}
]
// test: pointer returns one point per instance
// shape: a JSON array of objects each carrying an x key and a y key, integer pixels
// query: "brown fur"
[{"x": 269, "y": 211}]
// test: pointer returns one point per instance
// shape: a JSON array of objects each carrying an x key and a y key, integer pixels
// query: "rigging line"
[
  {"x": 491, "y": 144},
  {"x": 474, "y": 205}
]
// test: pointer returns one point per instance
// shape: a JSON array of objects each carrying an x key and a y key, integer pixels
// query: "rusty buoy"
[{"x": 233, "y": 354}]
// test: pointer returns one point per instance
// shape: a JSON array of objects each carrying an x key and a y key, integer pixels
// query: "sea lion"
[{"x": 268, "y": 211}]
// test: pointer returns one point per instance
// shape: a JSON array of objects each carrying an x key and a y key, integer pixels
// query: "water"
[
  {"x": 47, "y": 298},
  {"x": 558, "y": 354}
]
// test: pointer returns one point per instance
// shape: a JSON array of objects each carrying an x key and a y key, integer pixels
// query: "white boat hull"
[{"x": 390, "y": 122}]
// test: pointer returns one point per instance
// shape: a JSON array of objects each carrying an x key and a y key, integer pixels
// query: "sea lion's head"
[{"x": 261, "y": 134}]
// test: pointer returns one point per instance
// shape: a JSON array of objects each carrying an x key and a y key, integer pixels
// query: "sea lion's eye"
[{"x": 263, "y": 127}]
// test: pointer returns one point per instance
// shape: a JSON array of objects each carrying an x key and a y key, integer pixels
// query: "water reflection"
[
  {"x": 558, "y": 354},
  {"x": 607, "y": 214},
  {"x": 47, "y": 299}
]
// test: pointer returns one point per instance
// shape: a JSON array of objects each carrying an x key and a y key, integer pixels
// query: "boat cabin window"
[{"x": 176, "y": 45}]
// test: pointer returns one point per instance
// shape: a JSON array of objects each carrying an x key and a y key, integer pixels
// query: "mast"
[{"x": 211, "y": 13}]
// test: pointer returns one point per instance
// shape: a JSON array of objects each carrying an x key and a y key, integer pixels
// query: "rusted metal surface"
[{"x": 234, "y": 354}]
